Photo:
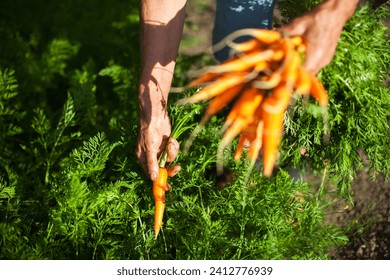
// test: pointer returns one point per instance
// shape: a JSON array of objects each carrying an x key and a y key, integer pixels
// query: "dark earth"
[{"x": 368, "y": 217}]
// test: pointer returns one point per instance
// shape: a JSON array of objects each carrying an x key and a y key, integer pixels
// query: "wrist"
[
  {"x": 154, "y": 85},
  {"x": 152, "y": 104},
  {"x": 341, "y": 10}
]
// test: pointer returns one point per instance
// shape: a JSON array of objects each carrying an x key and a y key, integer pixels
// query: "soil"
[{"x": 368, "y": 218}]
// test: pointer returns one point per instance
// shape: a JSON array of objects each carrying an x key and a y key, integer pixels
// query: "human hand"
[
  {"x": 322, "y": 29},
  {"x": 153, "y": 139}
]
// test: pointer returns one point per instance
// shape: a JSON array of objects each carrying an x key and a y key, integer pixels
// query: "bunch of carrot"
[{"x": 260, "y": 78}]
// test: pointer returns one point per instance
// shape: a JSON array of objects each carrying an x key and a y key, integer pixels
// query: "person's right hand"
[{"x": 153, "y": 138}]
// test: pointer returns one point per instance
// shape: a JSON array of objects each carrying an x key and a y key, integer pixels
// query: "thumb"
[{"x": 292, "y": 29}]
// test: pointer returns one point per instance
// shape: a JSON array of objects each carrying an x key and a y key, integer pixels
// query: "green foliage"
[
  {"x": 10, "y": 113},
  {"x": 71, "y": 186}
]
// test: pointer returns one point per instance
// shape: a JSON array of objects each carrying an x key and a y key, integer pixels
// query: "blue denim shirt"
[{"x": 232, "y": 15}]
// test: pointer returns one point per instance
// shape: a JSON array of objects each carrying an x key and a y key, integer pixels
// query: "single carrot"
[
  {"x": 159, "y": 188},
  {"x": 303, "y": 83},
  {"x": 250, "y": 135},
  {"x": 256, "y": 135},
  {"x": 245, "y": 106},
  {"x": 246, "y": 46},
  {"x": 256, "y": 141},
  {"x": 241, "y": 144},
  {"x": 202, "y": 79},
  {"x": 218, "y": 87},
  {"x": 242, "y": 63},
  {"x": 272, "y": 133},
  {"x": 222, "y": 100},
  {"x": 279, "y": 99},
  {"x": 317, "y": 90},
  {"x": 265, "y": 36},
  {"x": 230, "y": 133}
]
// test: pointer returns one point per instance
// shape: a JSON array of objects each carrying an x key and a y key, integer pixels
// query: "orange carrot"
[
  {"x": 297, "y": 40},
  {"x": 246, "y": 46},
  {"x": 285, "y": 48},
  {"x": 303, "y": 83},
  {"x": 317, "y": 90},
  {"x": 257, "y": 143},
  {"x": 242, "y": 63},
  {"x": 299, "y": 43},
  {"x": 256, "y": 135},
  {"x": 265, "y": 36},
  {"x": 249, "y": 136},
  {"x": 267, "y": 69},
  {"x": 288, "y": 48},
  {"x": 268, "y": 82},
  {"x": 261, "y": 66},
  {"x": 242, "y": 142},
  {"x": 240, "y": 116},
  {"x": 279, "y": 99},
  {"x": 272, "y": 133},
  {"x": 159, "y": 188},
  {"x": 220, "y": 101},
  {"x": 218, "y": 87},
  {"x": 246, "y": 105},
  {"x": 290, "y": 74},
  {"x": 278, "y": 55},
  {"x": 205, "y": 78}
]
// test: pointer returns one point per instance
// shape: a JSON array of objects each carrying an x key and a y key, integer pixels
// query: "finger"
[
  {"x": 172, "y": 149},
  {"x": 173, "y": 170},
  {"x": 315, "y": 59},
  {"x": 311, "y": 66},
  {"x": 292, "y": 29},
  {"x": 151, "y": 165},
  {"x": 168, "y": 187}
]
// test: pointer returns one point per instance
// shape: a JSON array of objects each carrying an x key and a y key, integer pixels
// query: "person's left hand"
[{"x": 322, "y": 29}]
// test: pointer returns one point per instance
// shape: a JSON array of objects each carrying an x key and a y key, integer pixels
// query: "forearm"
[{"x": 161, "y": 29}]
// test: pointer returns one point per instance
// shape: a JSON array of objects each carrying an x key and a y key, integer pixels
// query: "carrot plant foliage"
[{"x": 71, "y": 186}]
